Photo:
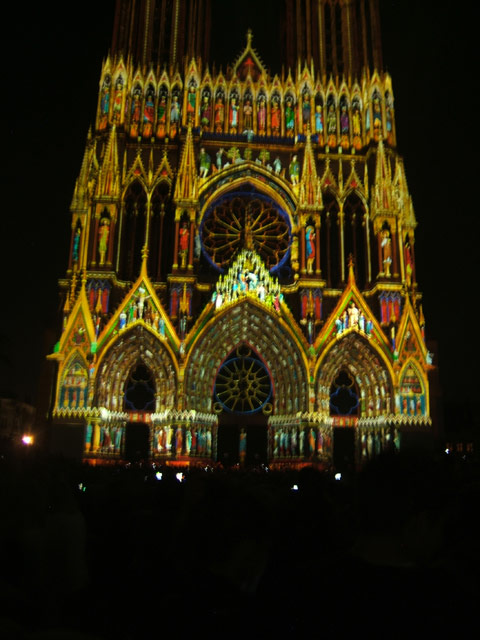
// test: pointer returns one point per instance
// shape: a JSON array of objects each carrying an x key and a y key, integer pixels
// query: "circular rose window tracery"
[
  {"x": 243, "y": 383},
  {"x": 240, "y": 221}
]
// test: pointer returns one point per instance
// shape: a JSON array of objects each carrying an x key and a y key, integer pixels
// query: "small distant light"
[
  {"x": 159, "y": 475},
  {"x": 295, "y": 487},
  {"x": 338, "y": 476},
  {"x": 447, "y": 450},
  {"x": 28, "y": 440},
  {"x": 180, "y": 477},
  {"x": 80, "y": 486}
]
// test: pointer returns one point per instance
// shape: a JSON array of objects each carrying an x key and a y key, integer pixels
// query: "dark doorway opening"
[
  {"x": 228, "y": 439},
  {"x": 137, "y": 441},
  {"x": 344, "y": 449}
]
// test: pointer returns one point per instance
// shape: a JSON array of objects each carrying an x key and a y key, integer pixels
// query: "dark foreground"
[{"x": 391, "y": 552}]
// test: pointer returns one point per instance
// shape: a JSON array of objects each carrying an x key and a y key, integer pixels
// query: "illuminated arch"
[
  {"x": 248, "y": 323},
  {"x": 412, "y": 395},
  {"x": 247, "y": 173},
  {"x": 73, "y": 386},
  {"x": 276, "y": 208},
  {"x": 136, "y": 346},
  {"x": 372, "y": 374}
]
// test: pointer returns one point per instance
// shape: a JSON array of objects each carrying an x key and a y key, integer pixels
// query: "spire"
[
  {"x": 186, "y": 187},
  {"x": 402, "y": 195},
  {"x": 83, "y": 184},
  {"x": 383, "y": 188},
  {"x": 109, "y": 178},
  {"x": 310, "y": 196}
]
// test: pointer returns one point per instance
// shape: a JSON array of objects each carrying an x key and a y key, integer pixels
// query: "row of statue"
[
  {"x": 140, "y": 308},
  {"x": 225, "y": 159},
  {"x": 373, "y": 443},
  {"x": 297, "y": 442},
  {"x": 160, "y": 113},
  {"x": 111, "y": 439},
  {"x": 182, "y": 440},
  {"x": 352, "y": 317},
  {"x": 411, "y": 405}
]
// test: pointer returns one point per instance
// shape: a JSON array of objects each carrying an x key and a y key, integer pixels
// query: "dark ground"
[{"x": 106, "y": 553}]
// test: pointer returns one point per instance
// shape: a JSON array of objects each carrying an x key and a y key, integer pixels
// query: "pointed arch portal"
[
  {"x": 246, "y": 365},
  {"x": 357, "y": 358},
  {"x": 135, "y": 350}
]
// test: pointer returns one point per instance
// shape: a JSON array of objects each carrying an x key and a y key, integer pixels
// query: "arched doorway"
[
  {"x": 344, "y": 407},
  {"x": 137, "y": 441},
  {"x": 139, "y": 398},
  {"x": 242, "y": 395}
]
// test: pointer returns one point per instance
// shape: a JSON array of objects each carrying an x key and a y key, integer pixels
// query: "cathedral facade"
[{"x": 241, "y": 282}]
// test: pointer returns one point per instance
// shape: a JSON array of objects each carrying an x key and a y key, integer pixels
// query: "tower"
[{"x": 241, "y": 275}]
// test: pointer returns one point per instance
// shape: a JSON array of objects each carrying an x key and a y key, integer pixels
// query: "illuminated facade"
[{"x": 241, "y": 274}]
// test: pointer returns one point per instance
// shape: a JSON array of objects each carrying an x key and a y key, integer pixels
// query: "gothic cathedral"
[{"x": 241, "y": 281}]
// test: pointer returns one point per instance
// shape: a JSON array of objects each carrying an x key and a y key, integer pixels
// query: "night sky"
[{"x": 52, "y": 65}]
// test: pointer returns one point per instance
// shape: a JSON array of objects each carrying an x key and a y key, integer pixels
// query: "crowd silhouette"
[{"x": 137, "y": 551}]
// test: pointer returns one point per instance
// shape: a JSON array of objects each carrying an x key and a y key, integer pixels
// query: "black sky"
[{"x": 52, "y": 64}]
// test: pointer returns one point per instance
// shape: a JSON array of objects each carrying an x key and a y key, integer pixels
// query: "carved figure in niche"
[
  {"x": 389, "y": 116},
  {"x": 386, "y": 244},
  {"x": 184, "y": 236},
  {"x": 357, "y": 126},
  {"x": 408, "y": 260},
  {"x": 277, "y": 166},
  {"x": 353, "y": 315},
  {"x": 104, "y": 103},
  {"x": 206, "y": 112},
  {"x": 247, "y": 115},
  {"x": 174, "y": 116},
  {"x": 162, "y": 116},
  {"x": 135, "y": 112},
  {"x": 377, "y": 118},
  {"x": 289, "y": 116},
  {"x": 103, "y": 234},
  {"x": 205, "y": 162},
  {"x": 141, "y": 302},
  {"x": 310, "y": 247},
  {"x": 233, "y": 115},
  {"x": 344, "y": 127},
  {"x": 262, "y": 116},
  {"x": 191, "y": 102},
  {"x": 294, "y": 170},
  {"x": 219, "y": 114},
  {"x": 306, "y": 111},
  {"x": 118, "y": 101},
  {"x": 148, "y": 114},
  {"x": 319, "y": 123},
  {"x": 332, "y": 126},
  {"x": 344, "y": 121},
  {"x": 76, "y": 244},
  {"x": 276, "y": 115}
]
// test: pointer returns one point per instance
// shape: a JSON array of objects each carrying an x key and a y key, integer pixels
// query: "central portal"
[{"x": 242, "y": 395}]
